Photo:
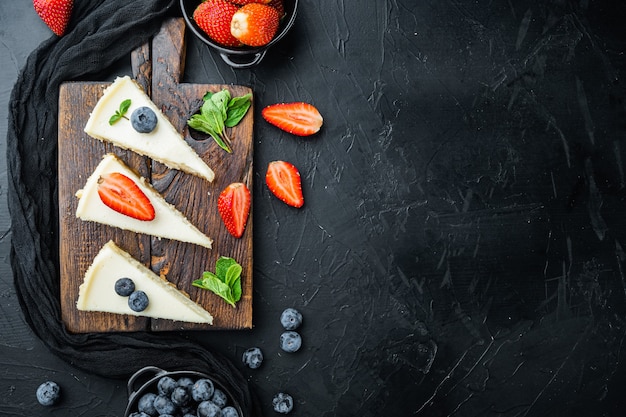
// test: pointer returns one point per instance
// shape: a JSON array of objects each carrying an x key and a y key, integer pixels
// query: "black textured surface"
[{"x": 461, "y": 248}]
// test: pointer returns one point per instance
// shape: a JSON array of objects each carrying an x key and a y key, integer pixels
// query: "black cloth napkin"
[{"x": 100, "y": 33}]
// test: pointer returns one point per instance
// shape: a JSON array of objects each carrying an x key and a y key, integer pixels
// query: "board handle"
[{"x": 141, "y": 64}]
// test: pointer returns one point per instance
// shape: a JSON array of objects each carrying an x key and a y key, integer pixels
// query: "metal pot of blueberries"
[
  {"x": 234, "y": 52},
  {"x": 153, "y": 391}
]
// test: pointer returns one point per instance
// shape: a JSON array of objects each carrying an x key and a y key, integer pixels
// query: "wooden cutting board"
[{"x": 158, "y": 67}]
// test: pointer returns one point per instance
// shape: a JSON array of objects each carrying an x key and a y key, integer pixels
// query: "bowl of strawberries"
[{"x": 241, "y": 31}]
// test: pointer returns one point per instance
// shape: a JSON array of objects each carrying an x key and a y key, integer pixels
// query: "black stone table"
[{"x": 462, "y": 249}]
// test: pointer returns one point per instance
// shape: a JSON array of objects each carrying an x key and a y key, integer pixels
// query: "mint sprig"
[
  {"x": 124, "y": 106},
  {"x": 218, "y": 112},
  {"x": 225, "y": 282}
]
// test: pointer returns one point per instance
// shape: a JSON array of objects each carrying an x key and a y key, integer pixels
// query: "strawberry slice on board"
[
  {"x": 298, "y": 118},
  {"x": 233, "y": 205},
  {"x": 120, "y": 193},
  {"x": 55, "y": 13},
  {"x": 283, "y": 180},
  {"x": 214, "y": 17}
]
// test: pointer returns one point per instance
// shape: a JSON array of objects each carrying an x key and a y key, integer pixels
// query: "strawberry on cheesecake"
[
  {"x": 115, "y": 280},
  {"x": 126, "y": 117},
  {"x": 116, "y": 196}
]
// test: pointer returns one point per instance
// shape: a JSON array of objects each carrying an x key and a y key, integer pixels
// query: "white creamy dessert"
[
  {"x": 164, "y": 144},
  {"x": 168, "y": 222},
  {"x": 97, "y": 292}
]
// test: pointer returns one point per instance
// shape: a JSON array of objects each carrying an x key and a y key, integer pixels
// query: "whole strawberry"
[
  {"x": 279, "y": 5},
  {"x": 244, "y": 2},
  {"x": 214, "y": 18},
  {"x": 255, "y": 24},
  {"x": 55, "y": 13}
]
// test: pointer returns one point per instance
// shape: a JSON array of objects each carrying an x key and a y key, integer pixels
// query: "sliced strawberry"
[
  {"x": 121, "y": 194},
  {"x": 283, "y": 180},
  {"x": 255, "y": 24},
  {"x": 55, "y": 13},
  {"x": 214, "y": 17},
  {"x": 301, "y": 119},
  {"x": 233, "y": 205}
]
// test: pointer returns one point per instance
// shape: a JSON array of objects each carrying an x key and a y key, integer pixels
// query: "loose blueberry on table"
[
  {"x": 252, "y": 357},
  {"x": 282, "y": 403},
  {"x": 48, "y": 393},
  {"x": 290, "y": 341},
  {"x": 291, "y": 319}
]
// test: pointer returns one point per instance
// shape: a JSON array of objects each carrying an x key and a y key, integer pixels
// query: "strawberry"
[
  {"x": 55, "y": 13},
  {"x": 244, "y": 2},
  {"x": 279, "y": 5},
  {"x": 255, "y": 24},
  {"x": 301, "y": 119},
  {"x": 283, "y": 180},
  {"x": 121, "y": 194},
  {"x": 214, "y": 17},
  {"x": 233, "y": 205}
]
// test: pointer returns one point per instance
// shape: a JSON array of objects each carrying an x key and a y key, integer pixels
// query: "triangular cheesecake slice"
[
  {"x": 165, "y": 301},
  {"x": 164, "y": 144},
  {"x": 168, "y": 222}
]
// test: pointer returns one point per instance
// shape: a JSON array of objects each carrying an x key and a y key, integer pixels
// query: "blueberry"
[
  {"x": 291, "y": 319},
  {"x": 180, "y": 396},
  {"x": 209, "y": 409},
  {"x": 138, "y": 414},
  {"x": 185, "y": 382},
  {"x": 229, "y": 412},
  {"x": 48, "y": 393},
  {"x": 138, "y": 301},
  {"x": 202, "y": 390},
  {"x": 124, "y": 287},
  {"x": 283, "y": 403},
  {"x": 252, "y": 357},
  {"x": 166, "y": 386},
  {"x": 143, "y": 120},
  {"x": 164, "y": 405},
  {"x": 290, "y": 341},
  {"x": 219, "y": 398},
  {"x": 146, "y": 404}
]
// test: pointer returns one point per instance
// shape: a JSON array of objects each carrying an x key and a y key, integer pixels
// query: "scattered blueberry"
[
  {"x": 291, "y": 319},
  {"x": 252, "y": 357},
  {"x": 138, "y": 301},
  {"x": 229, "y": 412},
  {"x": 283, "y": 403},
  {"x": 219, "y": 398},
  {"x": 290, "y": 341},
  {"x": 164, "y": 405},
  {"x": 166, "y": 386},
  {"x": 124, "y": 287},
  {"x": 202, "y": 390},
  {"x": 180, "y": 396},
  {"x": 143, "y": 120},
  {"x": 146, "y": 404},
  {"x": 209, "y": 409},
  {"x": 48, "y": 393}
]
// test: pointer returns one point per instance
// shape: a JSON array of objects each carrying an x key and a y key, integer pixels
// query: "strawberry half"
[
  {"x": 301, "y": 119},
  {"x": 121, "y": 194},
  {"x": 233, "y": 205},
  {"x": 214, "y": 17},
  {"x": 255, "y": 24},
  {"x": 283, "y": 180},
  {"x": 55, "y": 13}
]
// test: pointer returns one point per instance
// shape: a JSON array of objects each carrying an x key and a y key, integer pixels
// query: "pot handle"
[
  {"x": 253, "y": 60},
  {"x": 131, "y": 389}
]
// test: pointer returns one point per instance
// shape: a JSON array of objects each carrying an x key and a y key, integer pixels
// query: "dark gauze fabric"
[{"x": 100, "y": 33}]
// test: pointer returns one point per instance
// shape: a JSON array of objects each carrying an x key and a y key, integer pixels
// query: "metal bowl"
[
  {"x": 146, "y": 379},
  {"x": 244, "y": 56}
]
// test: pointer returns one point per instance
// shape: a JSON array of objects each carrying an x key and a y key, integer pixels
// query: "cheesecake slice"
[
  {"x": 165, "y": 301},
  {"x": 167, "y": 222},
  {"x": 164, "y": 144}
]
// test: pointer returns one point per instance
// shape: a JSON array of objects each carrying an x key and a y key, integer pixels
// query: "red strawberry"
[
  {"x": 279, "y": 5},
  {"x": 233, "y": 205},
  {"x": 121, "y": 194},
  {"x": 301, "y": 119},
  {"x": 255, "y": 24},
  {"x": 283, "y": 180},
  {"x": 244, "y": 2},
  {"x": 55, "y": 13},
  {"x": 213, "y": 17}
]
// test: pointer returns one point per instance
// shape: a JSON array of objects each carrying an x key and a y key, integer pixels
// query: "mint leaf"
[
  {"x": 237, "y": 109},
  {"x": 225, "y": 282},
  {"x": 124, "y": 106}
]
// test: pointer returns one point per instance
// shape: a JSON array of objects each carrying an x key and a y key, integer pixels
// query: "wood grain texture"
[{"x": 158, "y": 69}]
